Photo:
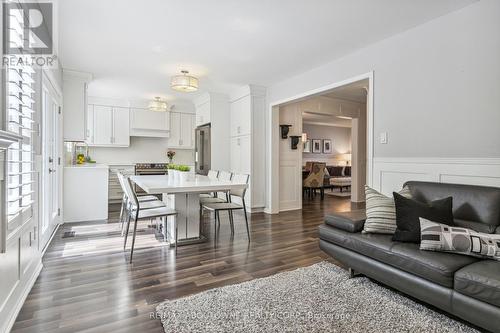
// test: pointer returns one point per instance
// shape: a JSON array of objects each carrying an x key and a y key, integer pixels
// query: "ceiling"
[{"x": 133, "y": 47}]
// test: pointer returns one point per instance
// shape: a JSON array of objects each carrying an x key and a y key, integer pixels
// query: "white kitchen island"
[{"x": 184, "y": 197}]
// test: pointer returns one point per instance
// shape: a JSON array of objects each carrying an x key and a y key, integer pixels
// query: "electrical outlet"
[{"x": 383, "y": 138}]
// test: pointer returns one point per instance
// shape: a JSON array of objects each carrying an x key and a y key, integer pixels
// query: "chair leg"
[
  {"x": 218, "y": 221},
  {"x": 231, "y": 221},
  {"x": 176, "y": 234},
  {"x": 126, "y": 231},
  {"x": 133, "y": 239},
  {"x": 121, "y": 217},
  {"x": 215, "y": 229},
  {"x": 246, "y": 219}
]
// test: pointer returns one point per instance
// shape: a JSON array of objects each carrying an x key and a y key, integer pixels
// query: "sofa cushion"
[
  {"x": 376, "y": 246},
  {"x": 480, "y": 280},
  {"x": 352, "y": 221},
  {"x": 472, "y": 205},
  {"x": 434, "y": 266}
]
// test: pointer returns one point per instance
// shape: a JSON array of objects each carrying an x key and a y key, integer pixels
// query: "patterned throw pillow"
[
  {"x": 441, "y": 237},
  {"x": 381, "y": 211}
]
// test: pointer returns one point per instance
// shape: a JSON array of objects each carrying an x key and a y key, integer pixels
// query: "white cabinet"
[
  {"x": 241, "y": 154},
  {"x": 121, "y": 127},
  {"x": 85, "y": 193},
  {"x": 203, "y": 114},
  {"x": 241, "y": 117},
  {"x": 75, "y": 105},
  {"x": 181, "y": 131},
  {"x": 213, "y": 108},
  {"x": 103, "y": 125},
  {"x": 108, "y": 126},
  {"x": 247, "y": 131},
  {"x": 149, "y": 123}
]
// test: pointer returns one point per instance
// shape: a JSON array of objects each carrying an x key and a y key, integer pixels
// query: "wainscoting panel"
[
  {"x": 290, "y": 185},
  {"x": 389, "y": 174}
]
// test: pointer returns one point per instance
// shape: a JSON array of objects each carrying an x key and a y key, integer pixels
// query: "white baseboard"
[
  {"x": 389, "y": 174},
  {"x": 16, "y": 308}
]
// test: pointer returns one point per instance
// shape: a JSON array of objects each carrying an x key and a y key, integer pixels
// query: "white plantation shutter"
[{"x": 20, "y": 120}]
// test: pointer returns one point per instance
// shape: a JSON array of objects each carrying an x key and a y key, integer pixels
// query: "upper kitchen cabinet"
[
  {"x": 213, "y": 108},
  {"x": 149, "y": 123},
  {"x": 108, "y": 126},
  {"x": 75, "y": 104},
  {"x": 241, "y": 117},
  {"x": 181, "y": 130}
]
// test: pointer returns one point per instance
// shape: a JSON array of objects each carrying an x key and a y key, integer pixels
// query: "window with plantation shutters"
[{"x": 20, "y": 111}]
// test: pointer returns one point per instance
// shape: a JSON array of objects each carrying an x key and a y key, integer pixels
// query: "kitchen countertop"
[{"x": 87, "y": 165}]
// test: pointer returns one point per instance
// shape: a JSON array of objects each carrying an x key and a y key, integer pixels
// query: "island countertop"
[{"x": 162, "y": 184}]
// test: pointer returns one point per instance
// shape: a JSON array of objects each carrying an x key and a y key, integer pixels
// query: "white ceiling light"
[
  {"x": 184, "y": 82},
  {"x": 158, "y": 105}
]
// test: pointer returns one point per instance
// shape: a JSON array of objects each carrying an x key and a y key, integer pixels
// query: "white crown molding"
[
  {"x": 248, "y": 90},
  {"x": 69, "y": 74}
]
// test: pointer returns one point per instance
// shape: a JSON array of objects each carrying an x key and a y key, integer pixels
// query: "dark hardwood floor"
[{"x": 88, "y": 285}]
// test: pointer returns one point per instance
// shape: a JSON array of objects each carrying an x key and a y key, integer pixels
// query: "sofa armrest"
[{"x": 350, "y": 222}]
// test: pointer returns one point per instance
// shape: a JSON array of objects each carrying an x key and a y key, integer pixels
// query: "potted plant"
[
  {"x": 183, "y": 171},
  {"x": 171, "y": 171}
]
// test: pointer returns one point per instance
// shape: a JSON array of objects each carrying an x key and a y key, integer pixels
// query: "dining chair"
[
  {"x": 315, "y": 180},
  {"x": 145, "y": 201},
  {"x": 136, "y": 213},
  {"x": 212, "y": 174},
  {"x": 230, "y": 206}
]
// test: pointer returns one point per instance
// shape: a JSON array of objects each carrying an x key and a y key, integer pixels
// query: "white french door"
[{"x": 51, "y": 163}]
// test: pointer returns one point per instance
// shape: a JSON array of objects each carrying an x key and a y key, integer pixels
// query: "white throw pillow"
[
  {"x": 381, "y": 211},
  {"x": 441, "y": 237}
]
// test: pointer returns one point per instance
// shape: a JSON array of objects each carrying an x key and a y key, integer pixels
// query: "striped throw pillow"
[{"x": 381, "y": 212}]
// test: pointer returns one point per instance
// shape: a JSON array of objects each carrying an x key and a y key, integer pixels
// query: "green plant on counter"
[
  {"x": 171, "y": 166},
  {"x": 183, "y": 168}
]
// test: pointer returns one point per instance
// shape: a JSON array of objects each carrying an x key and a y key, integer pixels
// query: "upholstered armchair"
[{"x": 315, "y": 180}]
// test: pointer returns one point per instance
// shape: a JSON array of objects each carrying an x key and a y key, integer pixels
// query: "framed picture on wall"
[
  {"x": 316, "y": 146},
  {"x": 327, "y": 146},
  {"x": 307, "y": 146}
]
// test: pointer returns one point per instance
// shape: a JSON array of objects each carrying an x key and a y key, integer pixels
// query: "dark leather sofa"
[{"x": 464, "y": 286}]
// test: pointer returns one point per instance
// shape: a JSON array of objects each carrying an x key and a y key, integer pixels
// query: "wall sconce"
[
  {"x": 295, "y": 141},
  {"x": 304, "y": 137},
  {"x": 284, "y": 131}
]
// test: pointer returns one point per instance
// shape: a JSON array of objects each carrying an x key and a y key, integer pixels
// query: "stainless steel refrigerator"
[{"x": 202, "y": 150}]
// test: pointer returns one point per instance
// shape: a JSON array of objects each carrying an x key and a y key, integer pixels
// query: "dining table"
[{"x": 183, "y": 195}]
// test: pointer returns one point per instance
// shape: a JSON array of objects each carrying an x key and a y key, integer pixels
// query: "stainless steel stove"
[{"x": 151, "y": 168}]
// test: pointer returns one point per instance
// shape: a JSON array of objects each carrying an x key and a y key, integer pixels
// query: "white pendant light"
[
  {"x": 158, "y": 105},
  {"x": 184, "y": 82}
]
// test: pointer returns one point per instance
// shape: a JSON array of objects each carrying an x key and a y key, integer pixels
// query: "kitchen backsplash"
[{"x": 141, "y": 150}]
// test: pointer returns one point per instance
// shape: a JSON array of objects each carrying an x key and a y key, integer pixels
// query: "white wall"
[
  {"x": 290, "y": 161},
  {"x": 341, "y": 143},
  {"x": 435, "y": 86}
]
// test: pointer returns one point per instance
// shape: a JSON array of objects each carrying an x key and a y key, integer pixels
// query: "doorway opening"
[{"x": 326, "y": 158}]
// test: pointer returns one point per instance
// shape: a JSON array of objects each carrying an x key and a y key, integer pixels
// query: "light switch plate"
[{"x": 383, "y": 138}]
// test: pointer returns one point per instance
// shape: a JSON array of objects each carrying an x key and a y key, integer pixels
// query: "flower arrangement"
[{"x": 170, "y": 155}]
